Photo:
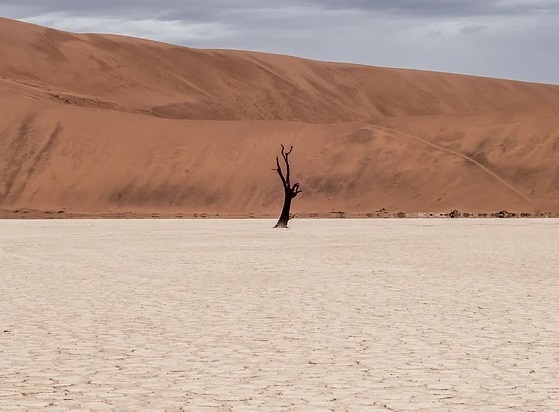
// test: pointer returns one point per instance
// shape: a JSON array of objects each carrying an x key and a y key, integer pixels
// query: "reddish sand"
[{"x": 96, "y": 124}]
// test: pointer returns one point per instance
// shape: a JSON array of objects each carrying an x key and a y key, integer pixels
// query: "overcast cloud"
[{"x": 514, "y": 39}]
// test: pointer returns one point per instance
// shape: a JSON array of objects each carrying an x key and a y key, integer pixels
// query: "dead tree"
[{"x": 290, "y": 191}]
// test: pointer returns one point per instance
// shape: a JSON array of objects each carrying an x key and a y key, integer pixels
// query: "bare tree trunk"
[
  {"x": 284, "y": 216},
  {"x": 290, "y": 191}
]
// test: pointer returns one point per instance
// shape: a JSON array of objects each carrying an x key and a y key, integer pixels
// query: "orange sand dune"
[{"x": 99, "y": 123}]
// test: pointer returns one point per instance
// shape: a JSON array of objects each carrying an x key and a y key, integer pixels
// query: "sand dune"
[{"x": 99, "y": 123}]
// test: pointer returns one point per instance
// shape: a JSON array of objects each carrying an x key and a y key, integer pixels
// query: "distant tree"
[{"x": 290, "y": 191}]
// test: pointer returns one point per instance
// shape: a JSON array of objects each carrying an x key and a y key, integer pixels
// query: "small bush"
[{"x": 502, "y": 214}]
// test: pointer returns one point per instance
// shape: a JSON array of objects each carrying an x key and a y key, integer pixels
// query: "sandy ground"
[
  {"x": 100, "y": 124},
  {"x": 408, "y": 315}
]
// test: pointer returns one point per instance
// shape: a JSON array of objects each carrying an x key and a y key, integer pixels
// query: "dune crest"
[{"x": 100, "y": 123}]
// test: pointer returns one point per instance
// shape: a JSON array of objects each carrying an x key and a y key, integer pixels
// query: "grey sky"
[{"x": 500, "y": 38}]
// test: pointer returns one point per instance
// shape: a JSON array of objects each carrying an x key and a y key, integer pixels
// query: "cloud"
[
  {"x": 206, "y": 10},
  {"x": 476, "y": 28},
  {"x": 500, "y": 38},
  {"x": 447, "y": 8}
]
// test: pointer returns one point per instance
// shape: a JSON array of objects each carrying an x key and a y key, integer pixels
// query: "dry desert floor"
[{"x": 232, "y": 315}]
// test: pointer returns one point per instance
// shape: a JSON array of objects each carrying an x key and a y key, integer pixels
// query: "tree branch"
[
  {"x": 285, "y": 156},
  {"x": 278, "y": 169}
]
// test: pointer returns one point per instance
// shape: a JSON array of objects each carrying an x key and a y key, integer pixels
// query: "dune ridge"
[{"x": 100, "y": 123}]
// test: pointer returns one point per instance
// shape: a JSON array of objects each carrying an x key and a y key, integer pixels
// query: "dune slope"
[{"x": 98, "y": 123}]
